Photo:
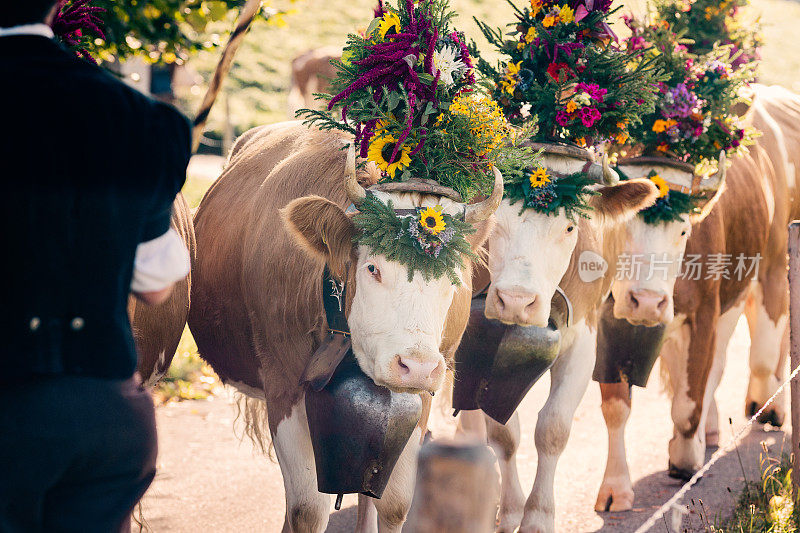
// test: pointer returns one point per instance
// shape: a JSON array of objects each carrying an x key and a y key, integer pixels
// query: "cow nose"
[
  {"x": 517, "y": 306},
  {"x": 648, "y": 304},
  {"x": 418, "y": 371}
]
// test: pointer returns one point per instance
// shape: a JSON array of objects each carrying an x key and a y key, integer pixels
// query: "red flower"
[{"x": 560, "y": 72}]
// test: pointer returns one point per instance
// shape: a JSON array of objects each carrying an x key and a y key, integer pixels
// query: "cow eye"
[
  {"x": 570, "y": 228},
  {"x": 376, "y": 273},
  {"x": 683, "y": 233}
]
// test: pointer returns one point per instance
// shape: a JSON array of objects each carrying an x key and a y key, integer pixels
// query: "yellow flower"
[
  {"x": 571, "y": 106},
  {"x": 380, "y": 151},
  {"x": 487, "y": 123},
  {"x": 661, "y": 125},
  {"x": 566, "y": 14},
  {"x": 539, "y": 178},
  {"x": 536, "y": 6},
  {"x": 622, "y": 124},
  {"x": 431, "y": 220},
  {"x": 530, "y": 35},
  {"x": 390, "y": 20},
  {"x": 581, "y": 141},
  {"x": 622, "y": 137},
  {"x": 663, "y": 188},
  {"x": 662, "y": 147},
  {"x": 549, "y": 20},
  {"x": 513, "y": 68},
  {"x": 520, "y": 45}
]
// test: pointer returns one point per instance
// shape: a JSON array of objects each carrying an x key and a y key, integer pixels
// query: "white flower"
[
  {"x": 447, "y": 65},
  {"x": 582, "y": 99}
]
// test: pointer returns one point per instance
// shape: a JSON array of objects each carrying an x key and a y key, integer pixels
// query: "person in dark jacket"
[{"x": 90, "y": 168}]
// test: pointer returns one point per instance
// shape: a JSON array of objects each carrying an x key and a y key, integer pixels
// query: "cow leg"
[
  {"x": 367, "y": 519},
  {"x": 767, "y": 342},
  {"x": 569, "y": 377},
  {"x": 393, "y": 506},
  {"x": 307, "y": 509},
  {"x": 616, "y": 491},
  {"x": 471, "y": 425},
  {"x": 504, "y": 439},
  {"x": 725, "y": 328}
]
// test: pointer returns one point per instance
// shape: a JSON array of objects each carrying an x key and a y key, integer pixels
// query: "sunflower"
[
  {"x": 431, "y": 220},
  {"x": 663, "y": 188},
  {"x": 539, "y": 178},
  {"x": 380, "y": 152},
  {"x": 390, "y": 20}
]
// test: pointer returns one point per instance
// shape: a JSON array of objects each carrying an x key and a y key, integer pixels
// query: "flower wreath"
[
  {"x": 693, "y": 120},
  {"x": 563, "y": 66},
  {"x": 670, "y": 206},
  {"x": 546, "y": 191},
  {"x": 424, "y": 239},
  {"x": 407, "y": 92},
  {"x": 76, "y": 24}
]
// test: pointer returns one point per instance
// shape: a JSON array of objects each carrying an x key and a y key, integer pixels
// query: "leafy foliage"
[
  {"x": 693, "y": 120},
  {"x": 563, "y": 67},
  {"x": 566, "y": 192},
  {"x": 405, "y": 89},
  {"x": 163, "y": 30},
  {"x": 406, "y": 240}
]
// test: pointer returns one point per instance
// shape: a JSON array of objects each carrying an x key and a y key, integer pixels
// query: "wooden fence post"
[
  {"x": 456, "y": 489},
  {"x": 794, "y": 346}
]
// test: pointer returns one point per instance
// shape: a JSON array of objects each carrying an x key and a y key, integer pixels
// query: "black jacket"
[{"x": 90, "y": 168}]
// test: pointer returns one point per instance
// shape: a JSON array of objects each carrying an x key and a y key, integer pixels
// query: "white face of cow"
[
  {"x": 396, "y": 324},
  {"x": 651, "y": 262},
  {"x": 529, "y": 252}
]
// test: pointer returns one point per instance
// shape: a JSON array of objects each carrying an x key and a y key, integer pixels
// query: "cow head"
[
  {"x": 653, "y": 252},
  {"x": 396, "y": 324},
  {"x": 529, "y": 252}
]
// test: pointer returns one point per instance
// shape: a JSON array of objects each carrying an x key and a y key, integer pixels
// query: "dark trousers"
[{"x": 76, "y": 454}]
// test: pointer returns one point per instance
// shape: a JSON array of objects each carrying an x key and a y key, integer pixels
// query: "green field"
[{"x": 259, "y": 81}]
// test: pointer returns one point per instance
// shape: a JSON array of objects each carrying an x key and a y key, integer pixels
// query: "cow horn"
[
  {"x": 714, "y": 182},
  {"x": 603, "y": 173},
  {"x": 355, "y": 192},
  {"x": 483, "y": 210}
]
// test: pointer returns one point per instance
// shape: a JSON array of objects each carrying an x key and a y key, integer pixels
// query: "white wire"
[{"x": 714, "y": 458}]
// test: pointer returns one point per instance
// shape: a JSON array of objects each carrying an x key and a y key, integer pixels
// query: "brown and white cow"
[
  {"x": 265, "y": 231},
  {"x": 522, "y": 283},
  {"x": 750, "y": 220},
  {"x": 311, "y": 73},
  {"x": 157, "y": 329}
]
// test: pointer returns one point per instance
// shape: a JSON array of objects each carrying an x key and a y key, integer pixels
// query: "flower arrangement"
[
  {"x": 546, "y": 191},
  {"x": 406, "y": 91},
  {"x": 426, "y": 240},
  {"x": 692, "y": 121},
  {"x": 670, "y": 205},
  {"x": 713, "y": 22},
  {"x": 74, "y": 24},
  {"x": 563, "y": 66}
]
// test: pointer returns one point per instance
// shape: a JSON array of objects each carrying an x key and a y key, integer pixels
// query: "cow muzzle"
[
  {"x": 517, "y": 306},
  {"x": 645, "y": 307},
  {"x": 417, "y": 370}
]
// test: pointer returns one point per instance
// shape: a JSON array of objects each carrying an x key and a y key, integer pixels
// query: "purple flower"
[
  {"x": 679, "y": 102},
  {"x": 589, "y": 115},
  {"x": 593, "y": 90},
  {"x": 562, "y": 118}
]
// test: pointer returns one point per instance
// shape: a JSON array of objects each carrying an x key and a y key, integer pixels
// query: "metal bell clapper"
[
  {"x": 496, "y": 364},
  {"x": 358, "y": 431}
]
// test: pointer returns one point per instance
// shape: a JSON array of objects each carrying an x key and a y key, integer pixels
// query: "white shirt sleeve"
[{"x": 159, "y": 263}]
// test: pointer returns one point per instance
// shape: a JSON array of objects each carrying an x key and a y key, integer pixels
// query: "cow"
[
  {"x": 311, "y": 73},
  {"x": 157, "y": 329},
  {"x": 521, "y": 283},
  {"x": 265, "y": 231},
  {"x": 750, "y": 220}
]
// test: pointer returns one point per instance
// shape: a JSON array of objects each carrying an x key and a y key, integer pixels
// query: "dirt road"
[{"x": 209, "y": 480}]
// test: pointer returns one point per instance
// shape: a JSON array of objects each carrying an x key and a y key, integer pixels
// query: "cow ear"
[
  {"x": 619, "y": 203},
  {"x": 322, "y": 230}
]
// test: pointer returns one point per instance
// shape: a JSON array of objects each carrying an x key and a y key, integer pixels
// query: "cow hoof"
[
  {"x": 684, "y": 474},
  {"x": 509, "y": 522},
  {"x": 772, "y": 417},
  {"x": 750, "y": 409},
  {"x": 613, "y": 499},
  {"x": 712, "y": 439}
]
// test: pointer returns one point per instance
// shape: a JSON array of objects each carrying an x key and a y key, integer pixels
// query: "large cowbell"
[
  {"x": 497, "y": 364},
  {"x": 625, "y": 353},
  {"x": 358, "y": 430}
]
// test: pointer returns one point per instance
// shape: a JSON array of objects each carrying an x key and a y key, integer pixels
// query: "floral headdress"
[
  {"x": 407, "y": 92},
  {"x": 75, "y": 23},
  {"x": 712, "y": 22},
  {"x": 564, "y": 67},
  {"x": 693, "y": 120}
]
